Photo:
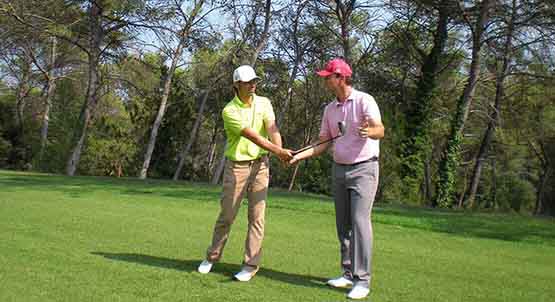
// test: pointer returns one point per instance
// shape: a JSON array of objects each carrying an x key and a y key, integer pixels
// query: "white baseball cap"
[{"x": 244, "y": 73}]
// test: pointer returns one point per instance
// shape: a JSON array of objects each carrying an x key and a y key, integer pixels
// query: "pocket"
[
  {"x": 373, "y": 171},
  {"x": 229, "y": 179}
]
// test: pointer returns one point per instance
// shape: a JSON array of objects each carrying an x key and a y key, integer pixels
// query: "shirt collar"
[{"x": 239, "y": 103}]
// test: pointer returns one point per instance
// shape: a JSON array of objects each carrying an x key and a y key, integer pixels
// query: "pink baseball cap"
[{"x": 336, "y": 66}]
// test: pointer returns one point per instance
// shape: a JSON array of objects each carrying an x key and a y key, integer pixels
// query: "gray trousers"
[{"x": 354, "y": 191}]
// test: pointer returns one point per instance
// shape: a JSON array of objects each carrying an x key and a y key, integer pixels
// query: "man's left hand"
[{"x": 364, "y": 128}]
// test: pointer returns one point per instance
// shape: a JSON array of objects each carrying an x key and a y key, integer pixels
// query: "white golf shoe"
[
  {"x": 205, "y": 267},
  {"x": 358, "y": 292},
  {"x": 246, "y": 273},
  {"x": 340, "y": 282}
]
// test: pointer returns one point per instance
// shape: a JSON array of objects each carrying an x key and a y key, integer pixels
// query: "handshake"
[{"x": 287, "y": 156}]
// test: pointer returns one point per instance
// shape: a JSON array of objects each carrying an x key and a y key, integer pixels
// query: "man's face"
[
  {"x": 333, "y": 81},
  {"x": 247, "y": 88}
]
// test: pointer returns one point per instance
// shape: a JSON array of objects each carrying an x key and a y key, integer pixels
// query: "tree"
[
  {"x": 513, "y": 20},
  {"x": 416, "y": 144},
  {"x": 451, "y": 157},
  {"x": 186, "y": 23}
]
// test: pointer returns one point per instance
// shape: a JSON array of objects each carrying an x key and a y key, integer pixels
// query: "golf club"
[{"x": 340, "y": 125}]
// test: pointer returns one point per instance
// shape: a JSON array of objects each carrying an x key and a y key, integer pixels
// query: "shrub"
[{"x": 515, "y": 193}]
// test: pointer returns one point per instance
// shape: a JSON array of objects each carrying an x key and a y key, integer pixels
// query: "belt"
[
  {"x": 371, "y": 159},
  {"x": 263, "y": 157}
]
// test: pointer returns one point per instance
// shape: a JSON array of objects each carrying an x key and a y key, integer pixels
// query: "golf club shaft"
[{"x": 314, "y": 145}]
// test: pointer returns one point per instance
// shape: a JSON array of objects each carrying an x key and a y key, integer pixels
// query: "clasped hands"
[{"x": 287, "y": 157}]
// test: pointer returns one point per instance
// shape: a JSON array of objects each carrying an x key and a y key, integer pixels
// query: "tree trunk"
[
  {"x": 540, "y": 190},
  {"x": 415, "y": 146},
  {"x": 299, "y": 51},
  {"x": 494, "y": 119},
  {"x": 22, "y": 92},
  {"x": 212, "y": 150},
  {"x": 161, "y": 112},
  {"x": 292, "y": 182},
  {"x": 91, "y": 98},
  {"x": 484, "y": 147},
  {"x": 493, "y": 192},
  {"x": 51, "y": 87},
  {"x": 289, "y": 96},
  {"x": 192, "y": 138},
  {"x": 184, "y": 34},
  {"x": 220, "y": 168},
  {"x": 86, "y": 117},
  {"x": 461, "y": 196},
  {"x": 428, "y": 180},
  {"x": 265, "y": 33},
  {"x": 344, "y": 13},
  {"x": 450, "y": 161},
  {"x": 545, "y": 173}
]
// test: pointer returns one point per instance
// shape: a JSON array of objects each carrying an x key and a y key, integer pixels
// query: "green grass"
[{"x": 106, "y": 239}]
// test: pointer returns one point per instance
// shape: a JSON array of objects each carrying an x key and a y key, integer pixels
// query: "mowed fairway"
[{"x": 106, "y": 239}]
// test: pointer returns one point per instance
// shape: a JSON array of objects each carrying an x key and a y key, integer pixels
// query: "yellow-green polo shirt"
[{"x": 238, "y": 116}]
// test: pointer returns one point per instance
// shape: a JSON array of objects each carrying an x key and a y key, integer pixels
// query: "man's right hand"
[{"x": 284, "y": 155}]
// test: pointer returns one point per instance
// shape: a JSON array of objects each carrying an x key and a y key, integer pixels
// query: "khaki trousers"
[{"x": 251, "y": 177}]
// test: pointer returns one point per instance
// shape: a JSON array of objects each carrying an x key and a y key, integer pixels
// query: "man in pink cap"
[{"x": 355, "y": 172}]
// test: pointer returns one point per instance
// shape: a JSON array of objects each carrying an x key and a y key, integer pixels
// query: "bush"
[
  {"x": 314, "y": 175},
  {"x": 106, "y": 157},
  {"x": 5, "y": 149},
  {"x": 515, "y": 193},
  {"x": 110, "y": 144}
]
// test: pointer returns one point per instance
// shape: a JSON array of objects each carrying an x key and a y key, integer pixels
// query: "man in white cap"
[{"x": 251, "y": 131}]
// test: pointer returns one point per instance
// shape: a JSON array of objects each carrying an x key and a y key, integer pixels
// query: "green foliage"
[
  {"x": 448, "y": 173},
  {"x": 415, "y": 150},
  {"x": 413, "y": 126},
  {"x": 19, "y": 140},
  {"x": 5, "y": 148},
  {"x": 515, "y": 193},
  {"x": 64, "y": 115},
  {"x": 315, "y": 175},
  {"x": 416, "y": 93},
  {"x": 111, "y": 144},
  {"x": 176, "y": 128}
]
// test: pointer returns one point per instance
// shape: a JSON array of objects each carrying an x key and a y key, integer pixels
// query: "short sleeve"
[
  {"x": 370, "y": 109},
  {"x": 324, "y": 127},
  {"x": 232, "y": 121},
  {"x": 269, "y": 114}
]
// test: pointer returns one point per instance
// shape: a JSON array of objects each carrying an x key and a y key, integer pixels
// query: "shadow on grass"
[
  {"x": 506, "y": 227},
  {"x": 225, "y": 269},
  {"x": 80, "y": 186}
]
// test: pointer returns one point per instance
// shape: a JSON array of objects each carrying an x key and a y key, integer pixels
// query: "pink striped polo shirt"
[{"x": 351, "y": 148}]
